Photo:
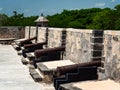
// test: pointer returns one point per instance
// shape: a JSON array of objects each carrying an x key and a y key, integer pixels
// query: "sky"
[{"x": 50, "y": 7}]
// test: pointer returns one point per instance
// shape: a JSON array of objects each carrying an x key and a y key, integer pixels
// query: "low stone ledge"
[
  {"x": 68, "y": 87},
  {"x": 42, "y": 68},
  {"x": 48, "y": 73},
  {"x": 19, "y": 52},
  {"x": 7, "y": 40},
  {"x": 36, "y": 77},
  {"x": 24, "y": 61},
  {"x": 30, "y": 56}
]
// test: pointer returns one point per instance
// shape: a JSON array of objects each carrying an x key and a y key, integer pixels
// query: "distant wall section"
[{"x": 12, "y": 32}]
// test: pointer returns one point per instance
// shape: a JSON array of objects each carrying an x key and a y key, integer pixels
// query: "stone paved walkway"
[{"x": 13, "y": 74}]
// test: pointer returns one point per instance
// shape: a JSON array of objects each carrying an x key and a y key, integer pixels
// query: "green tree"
[{"x": 103, "y": 20}]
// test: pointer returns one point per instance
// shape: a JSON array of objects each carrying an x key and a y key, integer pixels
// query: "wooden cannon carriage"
[
  {"x": 21, "y": 43},
  {"x": 48, "y": 54},
  {"x": 76, "y": 72},
  {"x": 32, "y": 47}
]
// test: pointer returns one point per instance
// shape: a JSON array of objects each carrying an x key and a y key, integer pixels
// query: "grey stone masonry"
[
  {"x": 42, "y": 34},
  {"x": 112, "y": 54},
  {"x": 78, "y": 45},
  {"x": 12, "y": 32},
  {"x": 54, "y": 37}
]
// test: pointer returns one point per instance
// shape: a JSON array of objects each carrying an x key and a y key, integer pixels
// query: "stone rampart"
[
  {"x": 12, "y": 32},
  {"x": 112, "y": 54},
  {"x": 78, "y": 46}
]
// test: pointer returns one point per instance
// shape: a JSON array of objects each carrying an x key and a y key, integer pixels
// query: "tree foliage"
[
  {"x": 17, "y": 19},
  {"x": 93, "y": 18}
]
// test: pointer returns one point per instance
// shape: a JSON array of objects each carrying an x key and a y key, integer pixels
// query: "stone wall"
[
  {"x": 12, "y": 32},
  {"x": 78, "y": 45},
  {"x": 54, "y": 37},
  {"x": 112, "y": 54},
  {"x": 27, "y": 28},
  {"x": 30, "y": 31},
  {"x": 41, "y": 34}
]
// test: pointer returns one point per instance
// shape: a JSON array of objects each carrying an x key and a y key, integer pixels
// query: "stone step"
[
  {"x": 19, "y": 52},
  {"x": 30, "y": 56},
  {"x": 24, "y": 61},
  {"x": 101, "y": 73},
  {"x": 16, "y": 47},
  {"x": 39, "y": 76},
  {"x": 102, "y": 63},
  {"x": 35, "y": 75},
  {"x": 48, "y": 68},
  {"x": 42, "y": 68},
  {"x": 101, "y": 69}
]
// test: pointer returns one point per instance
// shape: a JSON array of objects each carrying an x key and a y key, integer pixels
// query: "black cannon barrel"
[
  {"x": 34, "y": 45},
  {"x": 72, "y": 68},
  {"x": 42, "y": 52},
  {"x": 27, "y": 40}
]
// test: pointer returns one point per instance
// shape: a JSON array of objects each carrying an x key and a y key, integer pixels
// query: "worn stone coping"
[
  {"x": 35, "y": 75},
  {"x": 79, "y": 30},
  {"x": 19, "y": 52},
  {"x": 32, "y": 27},
  {"x": 93, "y": 85},
  {"x": 14, "y": 45},
  {"x": 41, "y": 28},
  {"x": 18, "y": 40},
  {"x": 31, "y": 54},
  {"x": 57, "y": 29},
  {"x": 7, "y": 39},
  {"x": 111, "y": 32},
  {"x": 52, "y": 65}
]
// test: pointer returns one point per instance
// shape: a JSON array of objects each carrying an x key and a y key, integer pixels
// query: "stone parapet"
[
  {"x": 55, "y": 37},
  {"x": 41, "y": 34},
  {"x": 112, "y": 54},
  {"x": 12, "y": 32},
  {"x": 78, "y": 45}
]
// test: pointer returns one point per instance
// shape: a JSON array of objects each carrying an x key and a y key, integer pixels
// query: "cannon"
[
  {"x": 32, "y": 47},
  {"x": 39, "y": 53},
  {"x": 27, "y": 41},
  {"x": 76, "y": 72},
  {"x": 24, "y": 42},
  {"x": 82, "y": 74},
  {"x": 48, "y": 54},
  {"x": 72, "y": 68}
]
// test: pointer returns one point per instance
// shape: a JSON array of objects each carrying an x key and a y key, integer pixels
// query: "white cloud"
[
  {"x": 1, "y": 9},
  {"x": 100, "y": 4},
  {"x": 113, "y": 0}
]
